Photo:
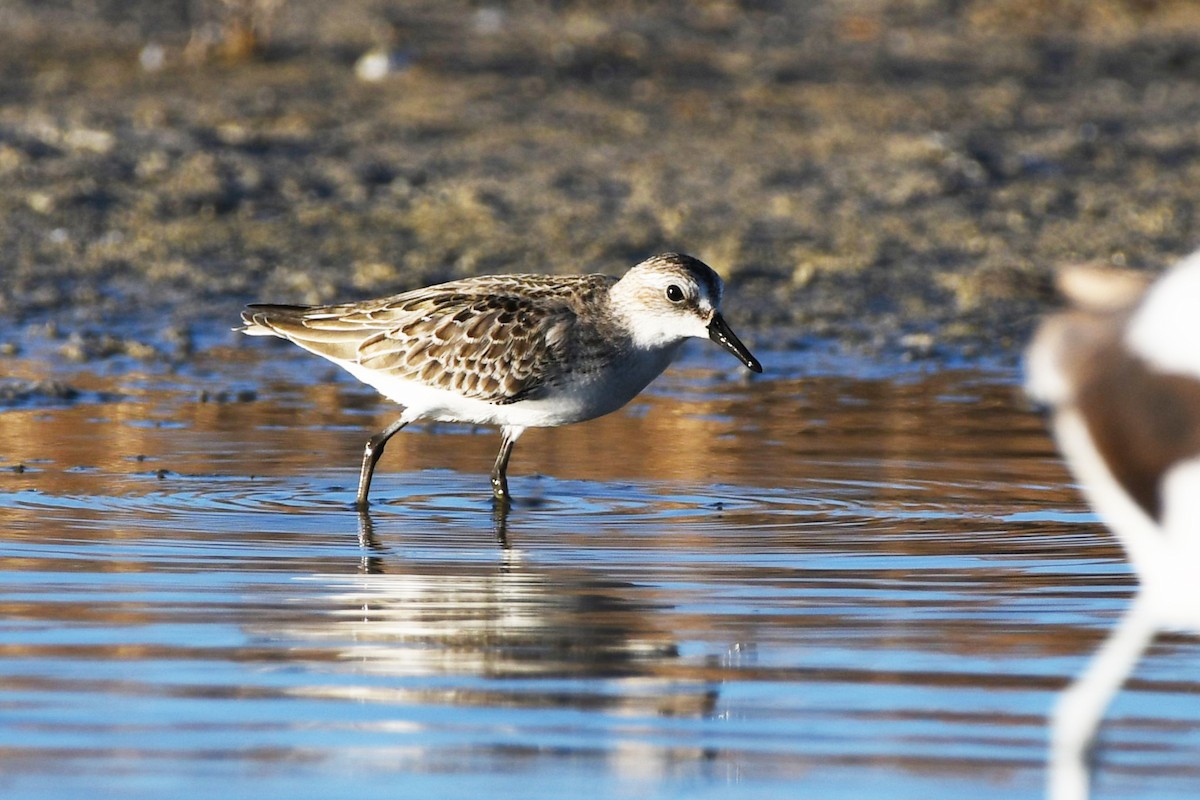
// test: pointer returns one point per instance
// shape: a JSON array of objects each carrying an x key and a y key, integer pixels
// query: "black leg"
[
  {"x": 371, "y": 454},
  {"x": 500, "y": 470}
]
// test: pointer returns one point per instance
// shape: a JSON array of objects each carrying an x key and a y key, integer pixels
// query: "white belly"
[{"x": 598, "y": 394}]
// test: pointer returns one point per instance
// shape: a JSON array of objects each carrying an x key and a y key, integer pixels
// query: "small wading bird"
[
  {"x": 1120, "y": 372},
  {"x": 517, "y": 351}
]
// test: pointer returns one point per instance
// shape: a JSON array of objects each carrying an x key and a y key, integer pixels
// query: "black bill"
[{"x": 720, "y": 333}]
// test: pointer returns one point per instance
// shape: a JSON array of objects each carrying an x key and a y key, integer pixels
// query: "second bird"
[{"x": 517, "y": 351}]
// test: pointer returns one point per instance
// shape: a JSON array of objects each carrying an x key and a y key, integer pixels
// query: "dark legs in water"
[
  {"x": 376, "y": 443},
  {"x": 371, "y": 454},
  {"x": 500, "y": 470},
  {"x": 501, "y": 499}
]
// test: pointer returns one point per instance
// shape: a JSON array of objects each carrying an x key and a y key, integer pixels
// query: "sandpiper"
[
  {"x": 516, "y": 351},
  {"x": 1120, "y": 372}
]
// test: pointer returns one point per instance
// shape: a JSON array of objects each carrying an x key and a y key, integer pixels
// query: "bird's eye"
[{"x": 674, "y": 294}]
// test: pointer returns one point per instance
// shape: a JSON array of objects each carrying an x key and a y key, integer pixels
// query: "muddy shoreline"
[{"x": 900, "y": 178}]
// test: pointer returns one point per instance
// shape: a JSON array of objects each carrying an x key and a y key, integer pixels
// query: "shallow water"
[{"x": 841, "y": 580}]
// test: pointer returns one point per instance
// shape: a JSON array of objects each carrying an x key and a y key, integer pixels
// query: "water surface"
[{"x": 842, "y": 580}]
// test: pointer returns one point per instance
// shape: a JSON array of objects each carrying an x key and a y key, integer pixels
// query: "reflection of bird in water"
[
  {"x": 1120, "y": 371},
  {"x": 516, "y": 351},
  {"x": 464, "y": 623}
]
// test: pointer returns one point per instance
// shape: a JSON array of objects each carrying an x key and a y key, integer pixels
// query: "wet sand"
[{"x": 898, "y": 177}]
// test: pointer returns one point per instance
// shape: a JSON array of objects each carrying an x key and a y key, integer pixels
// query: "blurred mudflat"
[{"x": 902, "y": 175}]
